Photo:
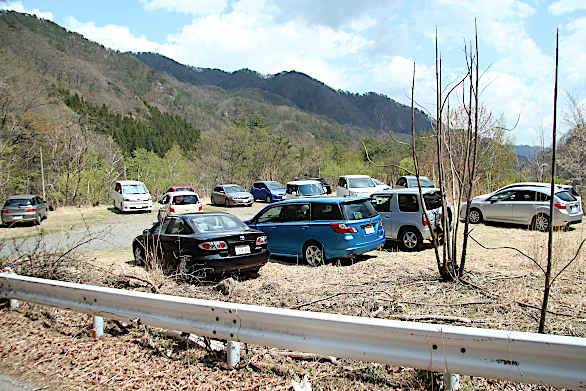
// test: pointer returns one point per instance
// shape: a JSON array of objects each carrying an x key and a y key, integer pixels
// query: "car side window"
[
  {"x": 118, "y": 188},
  {"x": 173, "y": 227},
  {"x": 382, "y": 203},
  {"x": 504, "y": 196},
  {"x": 295, "y": 212},
  {"x": 408, "y": 203},
  {"x": 291, "y": 189},
  {"x": 165, "y": 199},
  {"x": 539, "y": 196},
  {"x": 342, "y": 182},
  {"x": 219, "y": 189},
  {"x": 270, "y": 216},
  {"x": 158, "y": 229},
  {"x": 321, "y": 211}
]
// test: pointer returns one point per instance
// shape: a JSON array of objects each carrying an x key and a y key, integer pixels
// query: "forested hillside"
[
  {"x": 369, "y": 110},
  {"x": 98, "y": 115}
]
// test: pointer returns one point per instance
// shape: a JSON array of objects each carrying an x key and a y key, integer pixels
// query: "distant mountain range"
[{"x": 371, "y": 110}]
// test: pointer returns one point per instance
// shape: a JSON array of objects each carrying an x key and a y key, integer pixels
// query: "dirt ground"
[{"x": 53, "y": 348}]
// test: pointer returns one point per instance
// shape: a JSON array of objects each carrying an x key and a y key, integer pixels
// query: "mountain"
[
  {"x": 371, "y": 110},
  {"x": 527, "y": 151},
  {"x": 41, "y": 63}
]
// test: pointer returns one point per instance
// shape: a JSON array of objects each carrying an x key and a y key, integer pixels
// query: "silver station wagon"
[
  {"x": 403, "y": 218},
  {"x": 526, "y": 205}
]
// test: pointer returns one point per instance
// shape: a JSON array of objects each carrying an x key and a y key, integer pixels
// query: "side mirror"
[
  {"x": 492, "y": 201},
  {"x": 145, "y": 232},
  {"x": 160, "y": 202}
]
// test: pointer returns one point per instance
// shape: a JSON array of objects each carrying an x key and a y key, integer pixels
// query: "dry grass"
[
  {"x": 63, "y": 219},
  {"x": 56, "y": 350}
]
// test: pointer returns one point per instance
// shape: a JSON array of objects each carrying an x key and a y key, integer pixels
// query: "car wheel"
[
  {"x": 410, "y": 239},
  {"x": 541, "y": 222},
  {"x": 475, "y": 216},
  {"x": 314, "y": 254},
  {"x": 268, "y": 200},
  {"x": 38, "y": 219},
  {"x": 139, "y": 258}
]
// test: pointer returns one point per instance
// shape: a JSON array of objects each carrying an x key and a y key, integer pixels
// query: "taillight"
[
  {"x": 261, "y": 240},
  {"x": 342, "y": 228},
  {"x": 424, "y": 221},
  {"x": 32, "y": 210},
  {"x": 171, "y": 209},
  {"x": 200, "y": 208},
  {"x": 217, "y": 245},
  {"x": 559, "y": 205}
]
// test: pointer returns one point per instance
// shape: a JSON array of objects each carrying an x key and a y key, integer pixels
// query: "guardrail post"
[
  {"x": 13, "y": 304},
  {"x": 233, "y": 353},
  {"x": 451, "y": 382},
  {"x": 98, "y": 326}
]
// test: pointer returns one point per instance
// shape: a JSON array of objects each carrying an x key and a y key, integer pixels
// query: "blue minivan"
[
  {"x": 318, "y": 229},
  {"x": 269, "y": 191}
]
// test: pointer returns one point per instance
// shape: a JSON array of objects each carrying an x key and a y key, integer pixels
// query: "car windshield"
[
  {"x": 358, "y": 210},
  {"x": 188, "y": 199},
  {"x": 181, "y": 188},
  {"x": 233, "y": 189},
  {"x": 216, "y": 223},
  {"x": 433, "y": 200},
  {"x": 565, "y": 196},
  {"x": 138, "y": 188},
  {"x": 275, "y": 185},
  {"x": 424, "y": 182},
  {"x": 311, "y": 189},
  {"x": 377, "y": 182},
  {"x": 360, "y": 182},
  {"x": 18, "y": 202}
]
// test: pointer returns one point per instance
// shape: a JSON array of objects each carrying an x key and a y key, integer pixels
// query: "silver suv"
[
  {"x": 526, "y": 205},
  {"x": 403, "y": 218}
]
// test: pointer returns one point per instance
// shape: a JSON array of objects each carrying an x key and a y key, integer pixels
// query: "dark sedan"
[{"x": 202, "y": 242}]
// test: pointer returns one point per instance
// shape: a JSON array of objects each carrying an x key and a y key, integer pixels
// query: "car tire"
[
  {"x": 540, "y": 223},
  {"x": 475, "y": 216},
  {"x": 37, "y": 219},
  {"x": 313, "y": 253},
  {"x": 410, "y": 239},
  {"x": 139, "y": 258},
  {"x": 268, "y": 200}
]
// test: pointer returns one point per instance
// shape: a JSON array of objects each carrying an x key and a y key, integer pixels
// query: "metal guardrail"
[{"x": 517, "y": 356}]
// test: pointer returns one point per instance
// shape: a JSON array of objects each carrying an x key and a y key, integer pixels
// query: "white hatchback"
[{"x": 179, "y": 202}]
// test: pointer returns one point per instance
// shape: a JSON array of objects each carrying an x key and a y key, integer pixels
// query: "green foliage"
[{"x": 157, "y": 133}]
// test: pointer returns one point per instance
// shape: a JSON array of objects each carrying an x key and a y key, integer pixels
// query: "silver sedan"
[
  {"x": 24, "y": 208},
  {"x": 528, "y": 206}
]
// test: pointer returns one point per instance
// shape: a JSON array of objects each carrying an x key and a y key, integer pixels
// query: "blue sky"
[{"x": 359, "y": 46}]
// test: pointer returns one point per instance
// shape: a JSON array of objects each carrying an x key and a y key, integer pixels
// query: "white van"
[{"x": 132, "y": 196}]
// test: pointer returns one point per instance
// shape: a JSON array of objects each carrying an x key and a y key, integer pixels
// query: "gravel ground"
[{"x": 116, "y": 233}]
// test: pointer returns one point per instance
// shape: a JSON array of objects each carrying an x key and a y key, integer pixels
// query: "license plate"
[
  {"x": 17, "y": 218},
  {"x": 242, "y": 250},
  {"x": 369, "y": 229}
]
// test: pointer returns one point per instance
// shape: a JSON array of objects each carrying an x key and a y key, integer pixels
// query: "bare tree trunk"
[
  {"x": 473, "y": 65},
  {"x": 551, "y": 211}
]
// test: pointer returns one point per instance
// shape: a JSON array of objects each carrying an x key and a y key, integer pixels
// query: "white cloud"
[
  {"x": 566, "y": 6},
  {"x": 246, "y": 37},
  {"x": 200, "y": 7},
  {"x": 19, "y": 7},
  {"x": 112, "y": 36},
  {"x": 572, "y": 53}
]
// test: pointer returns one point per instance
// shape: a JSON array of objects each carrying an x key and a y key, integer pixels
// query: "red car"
[{"x": 179, "y": 188}]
